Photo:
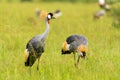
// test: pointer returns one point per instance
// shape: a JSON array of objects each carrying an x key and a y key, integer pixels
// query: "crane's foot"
[
  {"x": 38, "y": 68},
  {"x": 76, "y": 65}
]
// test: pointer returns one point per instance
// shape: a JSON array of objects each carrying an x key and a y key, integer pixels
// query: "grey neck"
[{"x": 44, "y": 35}]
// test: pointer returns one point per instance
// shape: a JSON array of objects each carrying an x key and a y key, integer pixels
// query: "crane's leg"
[
  {"x": 30, "y": 70},
  {"x": 38, "y": 63},
  {"x": 78, "y": 59},
  {"x": 79, "y": 55},
  {"x": 74, "y": 58}
]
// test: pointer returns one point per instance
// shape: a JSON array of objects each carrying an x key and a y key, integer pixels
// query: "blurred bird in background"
[
  {"x": 57, "y": 13},
  {"x": 103, "y": 5},
  {"x": 99, "y": 14}
]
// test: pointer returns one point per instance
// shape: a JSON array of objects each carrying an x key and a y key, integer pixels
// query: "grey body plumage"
[
  {"x": 75, "y": 43},
  {"x": 35, "y": 47},
  {"x": 80, "y": 39}
]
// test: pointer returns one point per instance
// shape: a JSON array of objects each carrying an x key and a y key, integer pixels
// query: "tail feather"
[
  {"x": 30, "y": 61},
  {"x": 29, "y": 58}
]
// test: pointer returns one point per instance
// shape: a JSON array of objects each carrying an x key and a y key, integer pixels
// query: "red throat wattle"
[{"x": 48, "y": 21}]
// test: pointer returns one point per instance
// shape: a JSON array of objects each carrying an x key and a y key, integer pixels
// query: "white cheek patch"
[
  {"x": 49, "y": 16},
  {"x": 67, "y": 46},
  {"x": 27, "y": 52},
  {"x": 81, "y": 54}
]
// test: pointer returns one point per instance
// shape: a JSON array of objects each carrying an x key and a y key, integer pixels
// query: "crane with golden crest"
[
  {"x": 35, "y": 46},
  {"x": 75, "y": 44}
]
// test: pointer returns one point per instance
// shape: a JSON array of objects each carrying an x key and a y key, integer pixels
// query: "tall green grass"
[
  {"x": 116, "y": 15},
  {"x": 102, "y": 61}
]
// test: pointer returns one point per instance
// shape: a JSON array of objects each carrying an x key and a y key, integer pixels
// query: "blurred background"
[
  {"x": 87, "y": 1},
  {"x": 115, "y": 10}
]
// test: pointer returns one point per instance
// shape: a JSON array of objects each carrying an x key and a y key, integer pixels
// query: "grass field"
[{"x": 103, "y": 57}]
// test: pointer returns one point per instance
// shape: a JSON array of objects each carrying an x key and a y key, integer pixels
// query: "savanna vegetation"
[{"x": 16, "y": 28}]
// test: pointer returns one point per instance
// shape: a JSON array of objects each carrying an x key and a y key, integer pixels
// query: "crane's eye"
[{"x": 49, "y": 16}]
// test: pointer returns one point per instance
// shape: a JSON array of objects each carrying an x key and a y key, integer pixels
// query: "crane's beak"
[{"x": 83, "y": 55}]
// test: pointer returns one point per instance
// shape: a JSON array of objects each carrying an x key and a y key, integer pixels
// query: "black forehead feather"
[{"x": 50, "y": 14}]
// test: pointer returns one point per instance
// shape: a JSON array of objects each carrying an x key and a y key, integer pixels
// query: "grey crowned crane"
[
  {"x": 75, "y": 44},
  {"x": 35, "y": 46}
]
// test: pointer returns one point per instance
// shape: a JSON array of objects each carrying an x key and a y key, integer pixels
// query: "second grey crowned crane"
[
  {"x": 73, "y": 44},
  {"x": 35, "y": 46}
]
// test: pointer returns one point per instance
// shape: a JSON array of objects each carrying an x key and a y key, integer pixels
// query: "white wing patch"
[
  {"x": 26, "y": 54},
  {"x": 67, "y": 46}
]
